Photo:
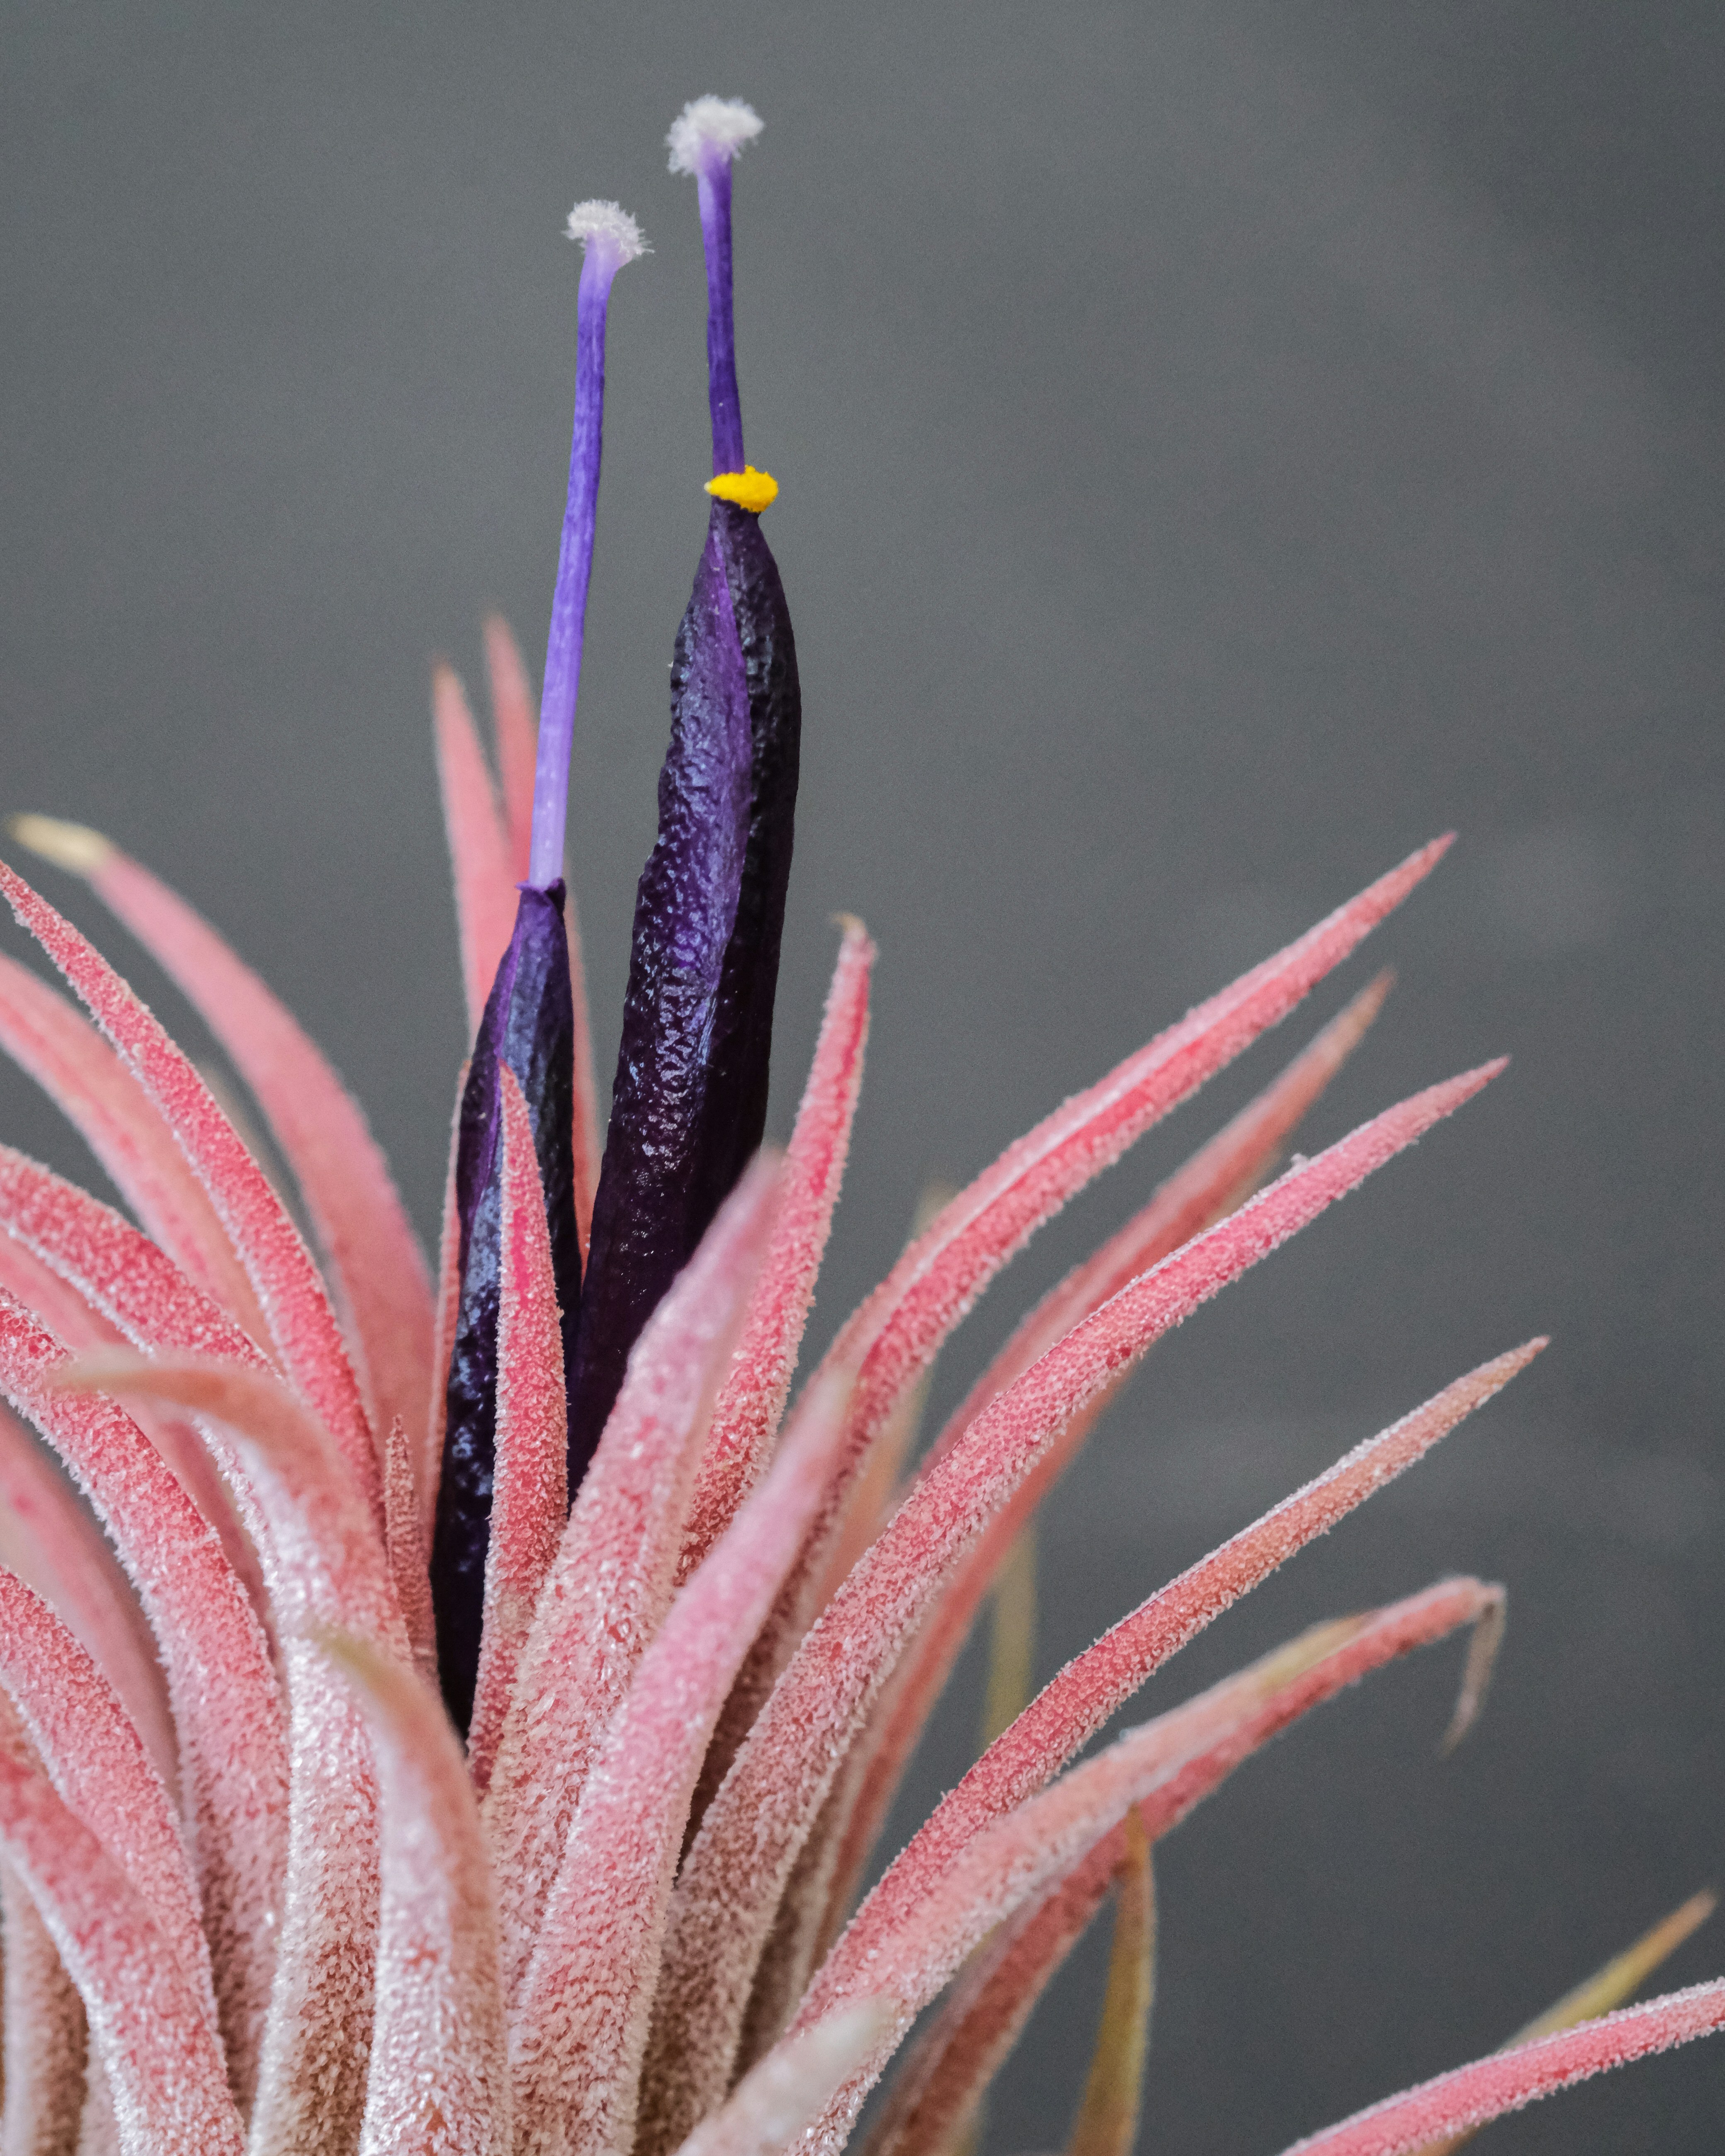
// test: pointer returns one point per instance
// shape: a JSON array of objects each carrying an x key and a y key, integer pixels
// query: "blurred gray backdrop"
[{"x": 1223, "y": 442}]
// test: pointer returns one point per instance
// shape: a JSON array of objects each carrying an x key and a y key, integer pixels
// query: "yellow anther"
[{"x": 748, "y": 489}]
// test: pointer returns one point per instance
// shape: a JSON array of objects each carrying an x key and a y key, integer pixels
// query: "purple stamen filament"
[
  {"x": 568, "y": 606},
  {"x": 713, "y": 181}
]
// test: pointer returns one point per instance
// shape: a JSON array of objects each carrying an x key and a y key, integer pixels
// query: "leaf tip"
[
  {"x": 1476, "y": 1670},
  {"x": 73, "y": 847}
]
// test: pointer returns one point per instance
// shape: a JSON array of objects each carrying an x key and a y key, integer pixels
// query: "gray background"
[{"x": 1222, "y": 444}]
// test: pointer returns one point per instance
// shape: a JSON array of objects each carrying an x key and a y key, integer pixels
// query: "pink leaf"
[
  {"x": 404, "y": 1542},
  {"x": 1067, "y": 1713},
  {"x": 478, "y": 846},
  {"x": 1217, "y": 1178},
  {"x": 515, "y": 717},
  {"x": 530, "y": 1501},
  {"x": 141, "y": 1293},
  {"x": 122, "y": 1126},
  {"x": 115, "y": 1270},
  {"x": 48, "y": 1538},
  {"x": 439, "y": 2077},
  {"x": 1609, "y": 1987},
  {"x": 355, "y": 1209},
  {"x": 607, "y": 1593},
  {"x": 581, "y": 2021},
  {"x": 745, "y": 1420},
  {"x": 772, "y": 2105},
  {"x": 96, "y": 1760},
  {"x": 429, "y": 1470},
  {"x": 1011, "y": 1862},
  {"x": 158, "y": 2052},
  {"x": 42, "y": 1270},
  {"x": 1468, "y": 2095},
  {"x": 301, "y": 1324},
  {"x": 952, "y": 2063},
  {"x": 757, "y": 1824},
  {"x": 46, "y": 2036},
  {"x": 897, "y": 1332},
  {"x": 98, "y": 2127},
  {"x": 232, "y": 1755},
  {"x": 587, "y": 1143},
  {"x": 331, "y": 1573}
]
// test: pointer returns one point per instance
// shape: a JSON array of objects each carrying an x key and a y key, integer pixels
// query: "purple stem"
[
  {"x": 713, "y": 184},
  {"x": 568, "y": 605}
]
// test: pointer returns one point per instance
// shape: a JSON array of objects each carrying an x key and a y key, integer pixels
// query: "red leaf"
[
  {"x": 746, "y": 1419},
  {"x": 96, "y": 1760},
  {"x": 896, "y": 1333},
  {"x": 740, "y": 1862},
  {"x": 1070, "y": 1710},
  {"x": 122, "y": 1126},
  {"x": 952, "y": 2063},
  {"x": 356, "y": 1210},
  {"x": 1015, "y": 1859},
  {"x": 1468, "y": 2095},
  {"x": 301, "y": 1324},
  {"x": 514, "y": 719},
  {"x": 331, "y": 1572},
  {"x": 46, "y": 2036},
  {"x": 478, "y": 847},
  {"x": 233, "y": 1764},
  {"x": 1217, "y": 1178},
  {"x": 48, "y": 1538},
  {"x": 608, "y": 1589},
  {"x": 429, "y": 1469},
  {"x": 439, "y": 2076},
  {"x": 91, "y": 1276},
  {"x": 159, "y": 2054},
  {"x": 530, "y": 1500},
  {"x": 582, "y": 2018},
  {"x": 771, "y": 2107},
  {"x": 404, "y": 1544}
]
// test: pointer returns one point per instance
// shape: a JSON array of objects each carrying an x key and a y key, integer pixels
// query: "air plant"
[{"x": 455, "y": 1712}]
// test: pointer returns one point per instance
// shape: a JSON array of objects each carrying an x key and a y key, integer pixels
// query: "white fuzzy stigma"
[
  {"x": 606, "y": 220},
  {"x": 709, "y": 129}
]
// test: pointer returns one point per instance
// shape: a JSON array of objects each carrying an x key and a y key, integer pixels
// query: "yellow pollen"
[{"x": 748, "y": 489}]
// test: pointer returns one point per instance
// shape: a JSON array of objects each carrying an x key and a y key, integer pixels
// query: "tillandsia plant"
[{"x": 455, "y": 1711}]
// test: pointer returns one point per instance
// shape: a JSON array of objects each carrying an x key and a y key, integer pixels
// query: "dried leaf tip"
[
  {"x": 711, "y": 130},
  {"x": 1476, "y": 1670},
  {"x": 73, "y": 847},
  {"x": 1625, "y": 1972},
  {"x": 608, "y": 226}
]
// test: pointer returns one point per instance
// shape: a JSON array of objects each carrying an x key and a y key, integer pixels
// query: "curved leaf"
[
  {"x": 355, "y": 1209},
  {"x": 1469, "y": 2096},
  {"x": 740, "y": 1862},
  {"x": 159, "y": 2054},
  {"x": 301, "y": 1324},
  {"x": 439, "y": 2075},
  {"x": 123, "y": 1127}
]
